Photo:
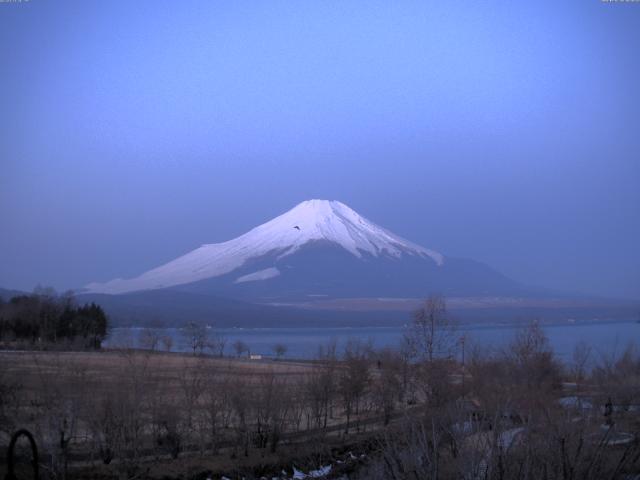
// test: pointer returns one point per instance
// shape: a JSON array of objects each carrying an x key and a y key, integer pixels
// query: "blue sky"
[{"x": 134, "y": 131}]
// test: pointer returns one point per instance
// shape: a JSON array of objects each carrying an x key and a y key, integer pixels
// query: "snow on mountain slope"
[
  {"x": 309, "y": 221},
  {"x": 259, "y": 275}
]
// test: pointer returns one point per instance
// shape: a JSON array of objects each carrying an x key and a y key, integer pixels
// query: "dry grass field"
[
  {"x": 111, "y": 413},
  {"x": 105, "y": 370}
]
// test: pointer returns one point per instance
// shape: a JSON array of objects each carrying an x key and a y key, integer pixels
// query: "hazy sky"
[{"x": 133, "y": 131}]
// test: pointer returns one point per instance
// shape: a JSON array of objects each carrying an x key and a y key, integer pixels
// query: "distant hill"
[{"x": 6, "y": 294}]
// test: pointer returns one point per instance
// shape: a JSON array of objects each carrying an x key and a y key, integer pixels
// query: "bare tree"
[
  {"x": 192, "y": 386},
  {"x": 387, "y": 385},
  {"x": 618, "y": 378},
  {"x": 104, "y": 425},
  {"x": 240, "y": 399},
  {"x": 240, "y": 347},
  {"x": 433, "y": 381},
  {"x": 432, "y": 332},
  {"x": 581, "y": 355},
  {"x": 271, "y": 401},
  {"x": 60, "y": 407},
  {"x": 167, "y": 342},
  {"x": 354, "y": 378},
  {"x": 149, "y": 339},
  {"x": 196, "y": 336},
  {"x": 10, "y": 398},
  {"x": 318, "y": 388},
  {"x": 216, "y": 344},
  {"x": 411, "y": 452},
  {"x": 217, "y": 406},
  {"x": 279, "y": 349}
]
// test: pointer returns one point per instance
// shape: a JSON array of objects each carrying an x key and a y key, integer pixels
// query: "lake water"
[{"x": 605, "y": 338}]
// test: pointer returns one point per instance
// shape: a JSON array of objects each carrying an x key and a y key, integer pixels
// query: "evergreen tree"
[{"x": 45, "y": 318}]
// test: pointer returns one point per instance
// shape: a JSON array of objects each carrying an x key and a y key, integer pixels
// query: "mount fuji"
[{"x": 318, "y": 249}]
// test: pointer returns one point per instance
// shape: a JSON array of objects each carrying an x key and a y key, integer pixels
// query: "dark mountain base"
[
  {"x": 165, "y": 308},
  {"x": 321, "y": 269}
]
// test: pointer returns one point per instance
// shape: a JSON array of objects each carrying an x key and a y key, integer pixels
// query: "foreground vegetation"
[
  {"x": 364, "y": 413},
  {"x": 45, "y": 320}
]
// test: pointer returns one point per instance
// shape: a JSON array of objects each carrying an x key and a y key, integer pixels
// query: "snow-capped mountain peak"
[
  {"x": 309, "y": 221},
  {"x": 335, "y": 222}
]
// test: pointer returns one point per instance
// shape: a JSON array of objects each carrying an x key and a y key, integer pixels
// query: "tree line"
[{"x": 45, "y": 318}]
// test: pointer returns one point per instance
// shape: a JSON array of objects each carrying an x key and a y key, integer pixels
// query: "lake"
[{"x": 605, "y": 338}]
